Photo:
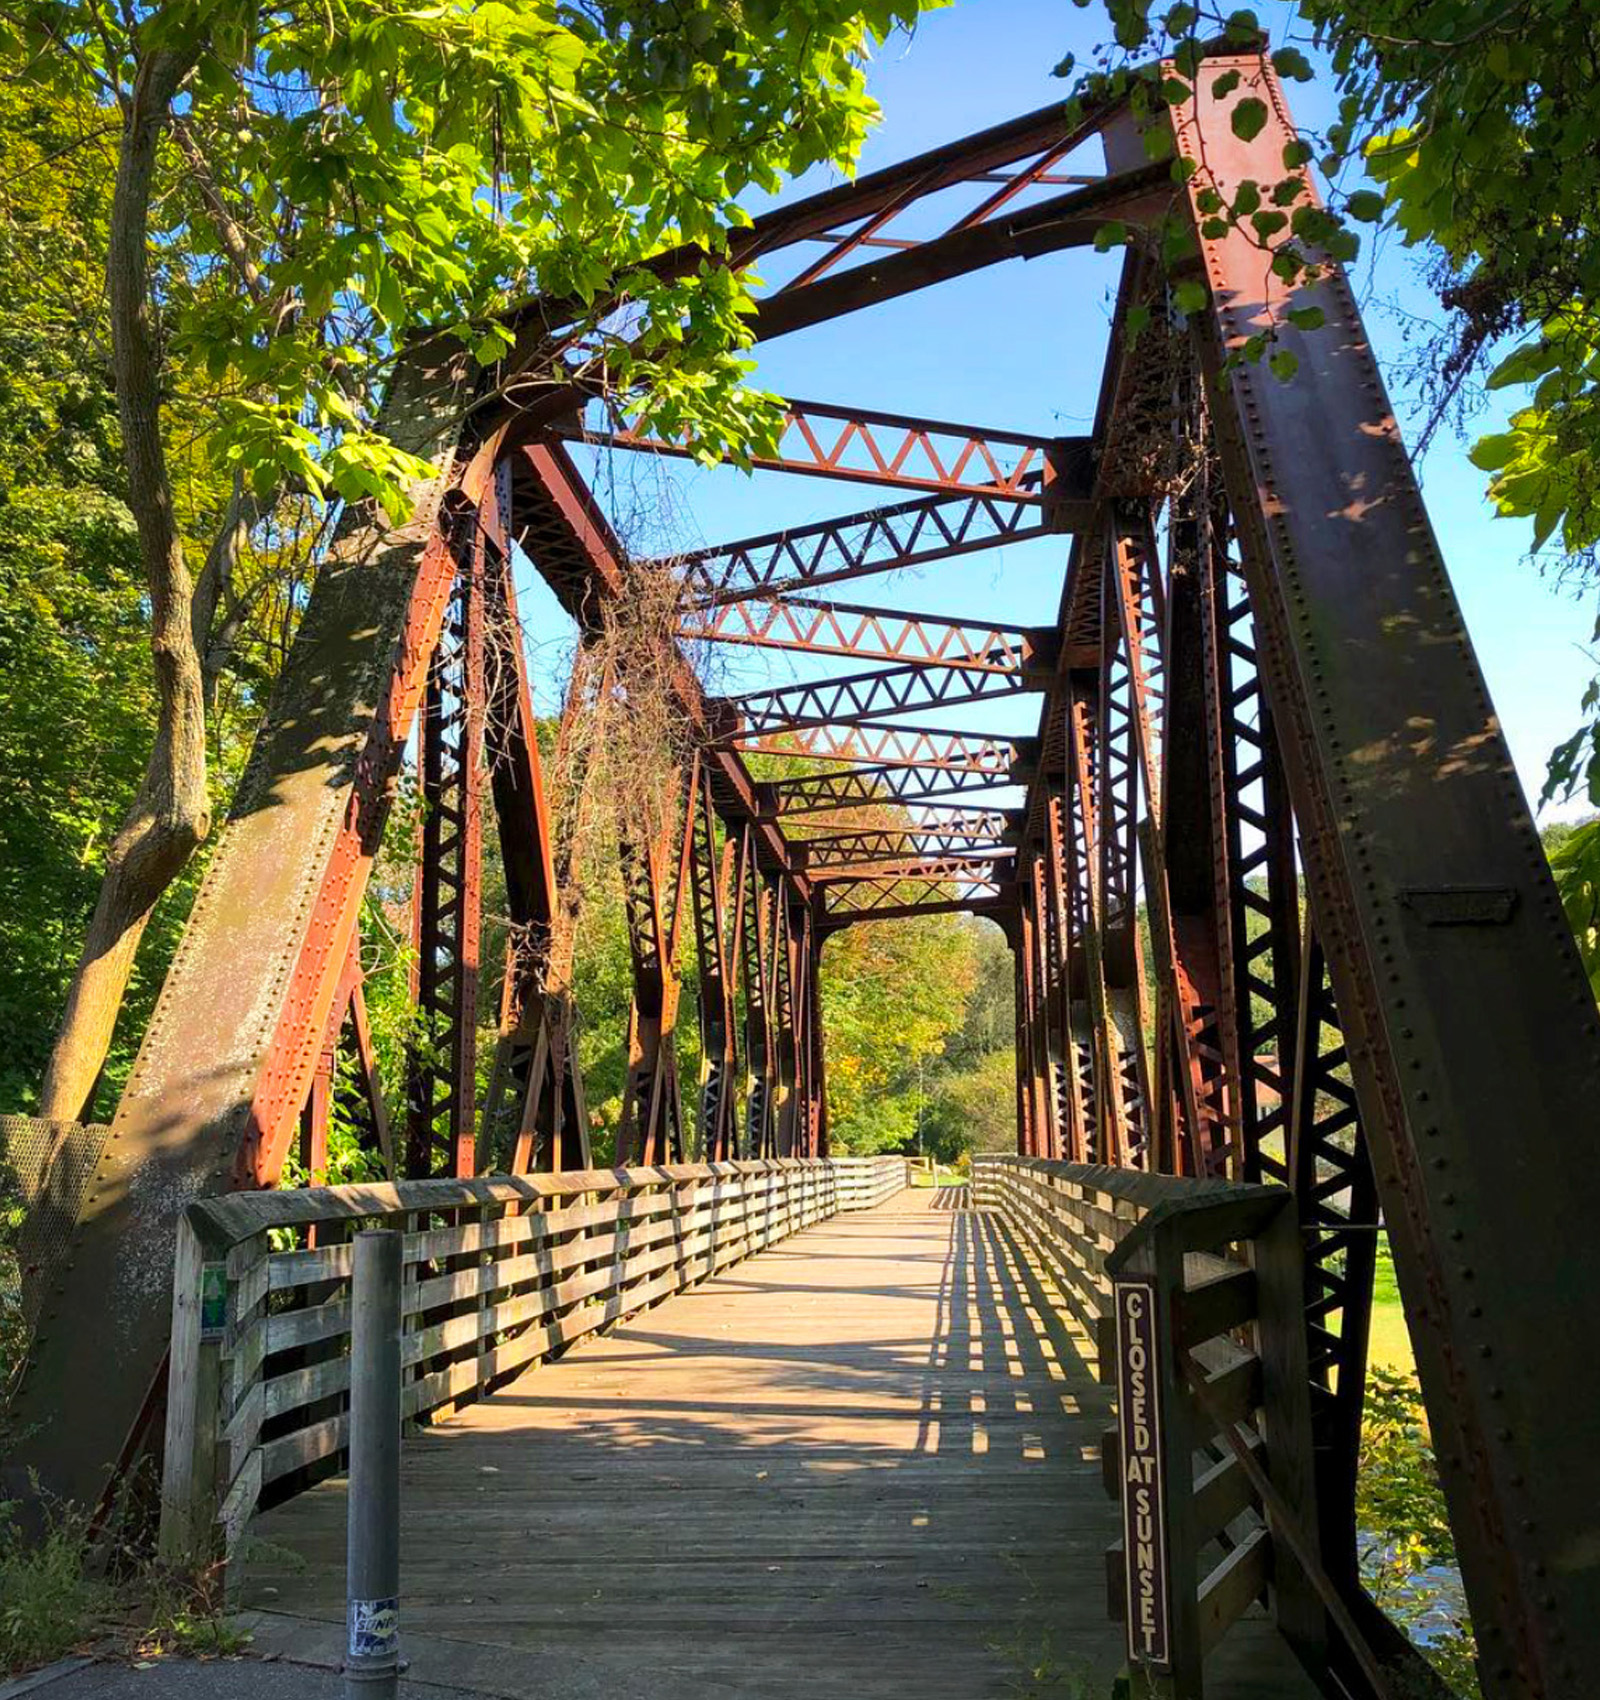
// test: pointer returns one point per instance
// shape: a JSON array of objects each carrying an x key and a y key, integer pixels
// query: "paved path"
[{"x": 862, "y": 1464}]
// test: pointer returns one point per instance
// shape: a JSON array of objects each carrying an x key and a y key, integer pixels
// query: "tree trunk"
[{"x": 170, "y": 815}]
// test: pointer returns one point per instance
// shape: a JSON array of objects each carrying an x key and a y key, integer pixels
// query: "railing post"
[
  {"x": 190, "y": 1479},
  {"x": 372, "y": 1666},
  {"x": 1279, "y": 1259},
  {"x": 1156, "y": 1461}
]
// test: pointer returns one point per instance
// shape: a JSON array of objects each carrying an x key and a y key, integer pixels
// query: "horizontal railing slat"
[{"x": 497, "y": 1272}]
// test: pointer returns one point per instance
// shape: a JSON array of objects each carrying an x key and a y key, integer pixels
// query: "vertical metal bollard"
[{"x": 372, "y": 1576}]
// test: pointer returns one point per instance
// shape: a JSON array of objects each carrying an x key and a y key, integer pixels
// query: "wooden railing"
[
  {"x": 1192, "y": 1291},
  {"x": 865, "y": 1182},
  {"x": 499, "y": 1271}
]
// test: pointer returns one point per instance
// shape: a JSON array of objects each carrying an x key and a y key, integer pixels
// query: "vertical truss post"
[
  {"x": 1254, "y": 875},
  {"x": 346, "y": 1015},
  {"x": 1074, "y": 1071},
  {"x": 1036, "y": 927},
  {"x": 785, "y": 1005},
  {"x": 761, "y": 1089},
  {"x": 816, "y": 1069},
  {"x": 441, "y": 1130},
  {"x": 1122, "y": 952},
  {"x": 718, "y": 880},
  {"x": 1192, "y": 1130},
  {"x": 656, "y": 882},
  {"x": 1022, "y": 1041},
  {"x": 535, "y": 1115},
  {"x": 1109, "y": 1123},
  {"x": 1330, "y": 1170}
]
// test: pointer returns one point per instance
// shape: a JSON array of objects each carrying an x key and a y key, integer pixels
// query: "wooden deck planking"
[{"x": 864, "y": 1463}]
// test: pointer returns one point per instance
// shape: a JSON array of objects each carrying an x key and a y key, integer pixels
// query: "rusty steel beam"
[
  {"x": 881, "y": 540},
  {"x": 761, "y": 1059},
  {"x": 870, "y": 634},
  {"x": 1003, "y": 150},
  {"x": 979, "y": 865},
  {"x": 535, "y": 1111},
  {"x": 1069, "y": 220},
  {"x": 718, "y": 875},
  {"x": 843, "y": 848},
  {"x": 889, "y": 745},
  {"x": 895, "y": 450},
  {"x": 560, "y": 525},
  {"x": 262, "y": 955},
  {"x": 865, "y": 696},
  {"x": 872, "y": 902},
  {"x": 447, "y": 902},
  {"x": 1473, "y": 1037},
  {"x": 866, "y": 787},
  {"x": 1330, "y": 1169},
  {"x": 657, "y": 870}
]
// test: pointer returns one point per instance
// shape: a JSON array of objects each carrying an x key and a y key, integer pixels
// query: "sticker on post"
[
  {"x": 374, "y": 1628},
  {"x": 213, "y": 1301}
]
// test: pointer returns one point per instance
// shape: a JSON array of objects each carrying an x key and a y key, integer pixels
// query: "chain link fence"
[{"x": 44, "y": 1168}]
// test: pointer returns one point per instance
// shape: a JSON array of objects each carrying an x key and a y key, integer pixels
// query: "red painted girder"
[
  {"x": 979, "y": 865},
  {"x": 863, "y": 848},
  {"x": 829, "y": 849},
  {"x": 854, "y": 788},
  {"x": 909, "y": 895},
  {"x": 888, "y": 690},
  {"x": 904, "y": 451},
  {"x": 1472, "y": 1031},
  {"x": 879, "y": 540},
  {"x": 887, "y": 745},
  {"x": 574, "y": 548},
  {"x": 978, "y": 158},
  {"x": 1069, "y": 220},
  {"x": 876, "y": 634}
]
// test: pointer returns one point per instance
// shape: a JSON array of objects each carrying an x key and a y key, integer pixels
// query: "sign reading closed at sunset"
[{"x": 1144, "y": 1517}]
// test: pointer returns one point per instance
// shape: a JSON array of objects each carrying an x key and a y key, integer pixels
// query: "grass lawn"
[{"x": 1391, "y": 1343}]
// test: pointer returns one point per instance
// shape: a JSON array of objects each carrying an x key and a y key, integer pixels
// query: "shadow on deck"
[{"x": 864, "y": 1463}]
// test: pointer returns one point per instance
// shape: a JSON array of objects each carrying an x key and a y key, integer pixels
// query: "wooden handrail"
[
  {"x": 1168, "y": 1273},
  {"x": 499, "y": 1271}
]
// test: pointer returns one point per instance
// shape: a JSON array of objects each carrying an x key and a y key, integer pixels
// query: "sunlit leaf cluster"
[{"x": 340, "y": 178}]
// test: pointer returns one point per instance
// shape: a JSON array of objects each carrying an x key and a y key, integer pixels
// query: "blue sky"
[{"x": 1020, "y": 346}]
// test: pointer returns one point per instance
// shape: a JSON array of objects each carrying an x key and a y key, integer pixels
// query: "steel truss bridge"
[{"x": 1260, "y": 724}]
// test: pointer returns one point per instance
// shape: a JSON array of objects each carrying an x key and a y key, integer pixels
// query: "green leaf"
[
  {"x": 1296, "y": 154},
  {"x": 1366, "y": 205},
  {"x": 1307, "y": 318},
  {"x": 1189, "y": 296},
  {"x": 1248, "y": 118},
  {"x": 1224, "y": 85},
  {"x": 1158, "y": 142},
  {"x": 1522, "y": 365},
  {"x": 1490, "y": 453},
  {"x": 1113, "y": 234},
  {"x": 1283, "y": 365},
  {"x": 1290, "y": 62},
  {"x": 1180, "y": 19}
]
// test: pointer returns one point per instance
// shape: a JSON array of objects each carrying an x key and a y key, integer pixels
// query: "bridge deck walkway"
[{"x": 864, "y": 1463}]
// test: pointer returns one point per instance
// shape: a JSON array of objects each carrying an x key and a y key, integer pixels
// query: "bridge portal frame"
[{"x": 1290, "y": 693}]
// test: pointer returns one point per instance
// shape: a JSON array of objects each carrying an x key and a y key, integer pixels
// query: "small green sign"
[{"x": 213, "y": 1300}]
